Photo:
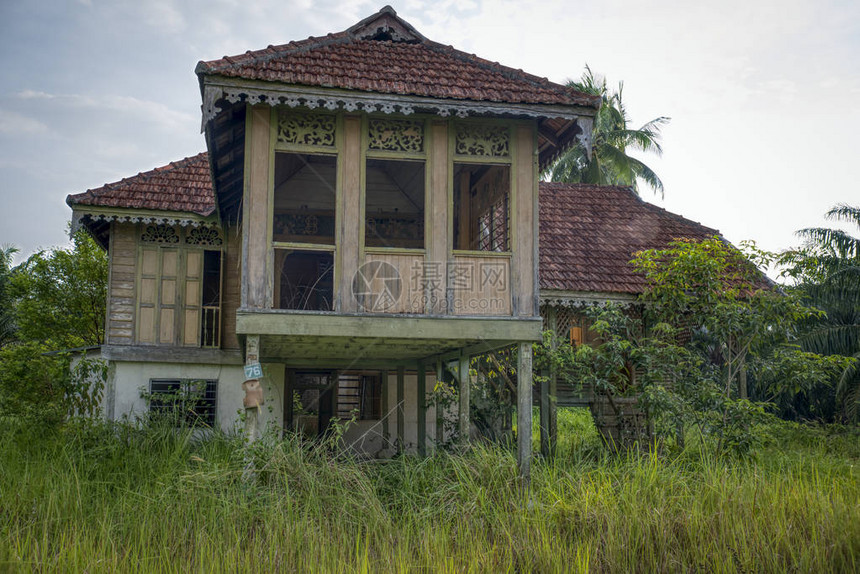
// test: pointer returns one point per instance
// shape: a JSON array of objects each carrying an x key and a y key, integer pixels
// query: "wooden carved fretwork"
[
  {"x": 395, "y": 227},
  {"x": 303, "y": 224},
  {"x": 396, "y": 135},
  {"x": 159, "y": 234},
  {"x": 203, "y": 236},
  {"x": 482, "y": 140},
  {"x": 306, "y": 128}
]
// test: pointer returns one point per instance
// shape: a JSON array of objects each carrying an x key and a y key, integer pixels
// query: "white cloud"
[
  {"x": 154, "y": 112},
  {"x": 17, "y": 124}
]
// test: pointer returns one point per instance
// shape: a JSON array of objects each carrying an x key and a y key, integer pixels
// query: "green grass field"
[{"x": 97, "y": 499}]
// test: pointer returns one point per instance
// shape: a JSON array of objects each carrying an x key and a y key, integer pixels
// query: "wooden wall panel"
[
  {"x": 481, "y": 285},
  {"x": 121, "y": 287},
  {"x": 410, "y": 298}
]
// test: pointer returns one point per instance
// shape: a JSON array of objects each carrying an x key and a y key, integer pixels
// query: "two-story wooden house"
[{"x": 365, "y": 221}]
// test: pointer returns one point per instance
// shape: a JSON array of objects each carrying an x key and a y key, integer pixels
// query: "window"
[
  {"x": 394, "y": 207},
  {"x": 305, "y": 280},
  {"x": 210, "y": 324},
  {"x": 190, "y": 402},
  {"x": 179, "y": 287},
  {"x": 481, "y": 207},
  {"x": 304, "y": 198}
]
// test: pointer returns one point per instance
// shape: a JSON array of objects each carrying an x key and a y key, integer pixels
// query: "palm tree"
[
  {"x": 609, "y": 163},
  {"x": 830, "y": 267}
]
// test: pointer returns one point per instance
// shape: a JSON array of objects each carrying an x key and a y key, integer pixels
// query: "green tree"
[
  {"x": 7, "y": 316},
  {"x": 60, "y": 295},
  {"x": 612, "y": 139},
  {"x": 827, "y": 271},
  {"x": 718, "y": 292}
]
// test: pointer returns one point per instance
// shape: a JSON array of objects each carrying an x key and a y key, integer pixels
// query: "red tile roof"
[
  {"x": 184, "y": 185},
  {"x": 589, "y": 233},
  {"x": 385, "y": 54}
]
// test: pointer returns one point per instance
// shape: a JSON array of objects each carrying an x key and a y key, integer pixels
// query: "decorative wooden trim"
[
  {"x": 399, "y": 136},
  {"x": 219, "y": 88},
  {"x": 483, "y": 140},
  {"x": 304, "y": 129}
]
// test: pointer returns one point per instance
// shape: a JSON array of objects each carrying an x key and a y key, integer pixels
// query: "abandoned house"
[{"x": 366, "y": 219}]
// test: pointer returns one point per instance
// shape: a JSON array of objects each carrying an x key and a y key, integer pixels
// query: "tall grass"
[{"x": 105, "y": 499}]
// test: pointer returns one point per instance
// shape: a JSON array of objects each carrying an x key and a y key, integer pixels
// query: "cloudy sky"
[{"x": 764, "y": 96}]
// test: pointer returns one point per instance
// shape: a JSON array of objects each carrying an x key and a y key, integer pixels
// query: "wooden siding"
[
  {"x": 230, "y": 286},
  {"x": 121, "y": 288},
  {"x": 410, "y": 298},
  {"x": 481, "y": 285}
]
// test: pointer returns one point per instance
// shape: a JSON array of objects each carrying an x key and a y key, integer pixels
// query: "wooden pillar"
[
  {"x": 440, "y": 415},
  {"x": 422, "y": 410},
  {"x": 401, "y": 423},
  {"x": 348, "y": 252},
  {"x": 544, "y": 413},
  {"x": 256, "y": 286},
  {"x": 436, "y": 219},
  {"x": 553, "y": 385},
  {"x": 464, "y": 424},
  {"x": 524, "y": 411},
  {"x": 386, "y": 407}
]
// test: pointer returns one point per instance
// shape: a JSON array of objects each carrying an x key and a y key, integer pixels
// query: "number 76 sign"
[{"x": 253, "y": 371}]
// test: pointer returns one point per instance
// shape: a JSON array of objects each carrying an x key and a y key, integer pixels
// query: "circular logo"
[{"x": 376, "y": 286}]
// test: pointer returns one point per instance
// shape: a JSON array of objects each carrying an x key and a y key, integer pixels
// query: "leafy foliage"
[
  {"x": 612, "y": 138},
  {"x": 827, "y": 273},
  {"x": 60, "y": 295},
  {"x": 7, "y": 316}
]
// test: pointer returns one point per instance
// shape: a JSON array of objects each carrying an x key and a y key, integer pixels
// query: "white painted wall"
[{"x": 129, "y": 379}]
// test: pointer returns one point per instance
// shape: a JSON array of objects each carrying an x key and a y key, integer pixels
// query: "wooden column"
[
  {"x": 401, "y": 423},
  {"x": 386, "y": 407},
  {"x": 256, "y": 284},
  {"x": 422, "y": 410},
  {"x": 524, "y": 411},
  {"x": 348, "y": 248},
  {"x": 440, "y": 416},
  {"x": 436, "y": 220},
  {"x": 553, "y": 387},
  {"x": 544, "y": 413},
  {"x": 549, "y": 395},
  {"x": 464, "y": 424},
  {"x": 524, "y": 260}
]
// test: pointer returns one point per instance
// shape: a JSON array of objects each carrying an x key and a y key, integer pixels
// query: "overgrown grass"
[{"x": 99, "y": 499}]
